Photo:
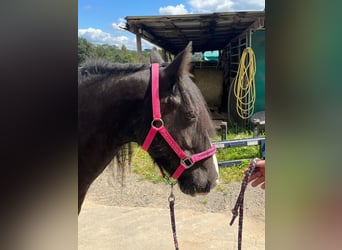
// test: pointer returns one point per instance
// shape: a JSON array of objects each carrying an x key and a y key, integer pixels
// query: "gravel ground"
[
  {"x": 136, "y": 216},
  {"x": 107, "y": 190}
]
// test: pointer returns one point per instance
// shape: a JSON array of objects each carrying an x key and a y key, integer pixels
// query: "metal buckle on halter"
[
  {"x": 187, "y": 162},
  {"x": 157, "y": 123}
]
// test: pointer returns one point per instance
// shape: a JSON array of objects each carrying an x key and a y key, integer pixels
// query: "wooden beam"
[{"x": 139, "y": 50}]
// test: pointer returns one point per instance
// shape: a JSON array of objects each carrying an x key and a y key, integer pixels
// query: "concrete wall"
[{"x": 209, "y": 81}]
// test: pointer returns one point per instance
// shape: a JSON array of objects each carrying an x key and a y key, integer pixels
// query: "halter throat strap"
[{"x": 157, "y": 125}]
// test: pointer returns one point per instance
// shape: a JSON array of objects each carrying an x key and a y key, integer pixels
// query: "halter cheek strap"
[{"x": 157, "y": 125}]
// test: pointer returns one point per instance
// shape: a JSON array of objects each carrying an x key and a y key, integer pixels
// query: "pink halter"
[{"x": 157, "y": 125}]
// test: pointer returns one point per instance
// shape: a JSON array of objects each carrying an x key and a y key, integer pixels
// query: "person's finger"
[
  {"x": 254, "y": 176},
  {"x": 258, "y": 181}
]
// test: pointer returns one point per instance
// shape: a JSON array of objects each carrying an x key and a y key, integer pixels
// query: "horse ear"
[
  {"x": 180, "y": 65},
  {"x": 155, "y": 56}
]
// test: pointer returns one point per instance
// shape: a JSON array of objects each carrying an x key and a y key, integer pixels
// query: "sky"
[{"x": 99, "y": 21}]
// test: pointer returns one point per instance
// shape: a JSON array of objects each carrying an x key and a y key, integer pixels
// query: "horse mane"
[
  {"x": 98, "y": 68},
  {"x": 122, "y": 161}
]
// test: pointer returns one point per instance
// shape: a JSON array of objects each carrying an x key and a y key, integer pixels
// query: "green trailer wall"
[{"x": 258, "y": 46}]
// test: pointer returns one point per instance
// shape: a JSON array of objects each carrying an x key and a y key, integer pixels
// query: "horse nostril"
[{"x": 207, "y": 188}]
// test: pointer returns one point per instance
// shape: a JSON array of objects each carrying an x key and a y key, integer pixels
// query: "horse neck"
[{"x": 124, "y": 110}]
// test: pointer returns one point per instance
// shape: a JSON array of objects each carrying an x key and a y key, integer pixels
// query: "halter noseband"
[{"x": 157, "y": 125}]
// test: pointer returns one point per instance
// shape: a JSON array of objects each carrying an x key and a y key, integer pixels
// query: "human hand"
[{"x": 258, "y": 176}]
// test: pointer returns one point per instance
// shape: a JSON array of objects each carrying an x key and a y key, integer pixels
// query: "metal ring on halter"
[
  {"x": 157, "y": 123},
  {"x": 170, "y": 180},
  {"x": 187, "y": 162},
  {"x": 171, "y": 197}
]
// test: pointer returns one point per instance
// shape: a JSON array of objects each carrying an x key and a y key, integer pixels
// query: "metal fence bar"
[{"x": 240, "y": 143}]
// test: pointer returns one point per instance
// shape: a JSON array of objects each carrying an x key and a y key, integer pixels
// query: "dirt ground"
[{"x": 136, "y": 216}]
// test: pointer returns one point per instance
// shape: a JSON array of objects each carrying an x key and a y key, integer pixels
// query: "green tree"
[
  {"x": 110, "y": 53},
  {"x": 123, "y": 48},
  {"x": 100, "y": 51},
  {"x": 85, "y": 49}
]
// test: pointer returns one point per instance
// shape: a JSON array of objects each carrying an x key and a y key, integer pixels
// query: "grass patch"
[
  {"x": 231, "y": 174},
  {"x": 205, "y": 202},
  {"x": 142, "y": 163},
  {"x": 222, "y": 189},
  {"x": 236, "y": 172}
]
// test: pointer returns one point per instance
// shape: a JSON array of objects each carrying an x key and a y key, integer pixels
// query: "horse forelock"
[{"x": 195, "y": 102}]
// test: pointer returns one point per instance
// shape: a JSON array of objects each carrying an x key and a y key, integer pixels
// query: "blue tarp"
[{"x": 211, "y": 55}]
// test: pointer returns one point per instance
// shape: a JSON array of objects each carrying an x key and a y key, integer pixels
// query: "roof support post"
[{"x": 139, "y": 51}]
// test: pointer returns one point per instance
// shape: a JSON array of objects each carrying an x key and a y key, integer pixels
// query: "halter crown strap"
[
  {"x": 155, "y": 92},
  {"x": 155, "y": 107},
  {"x": 157, "y": 125}
]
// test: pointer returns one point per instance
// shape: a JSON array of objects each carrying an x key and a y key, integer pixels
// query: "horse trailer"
[{"x": 219, "y": 40}]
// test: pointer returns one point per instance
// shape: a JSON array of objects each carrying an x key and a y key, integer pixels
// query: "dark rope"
[
  {"x": 172, "y": 215},
  {"x": 238, "y": 208}
]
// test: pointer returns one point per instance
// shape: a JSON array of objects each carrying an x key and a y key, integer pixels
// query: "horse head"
[{"x": 185, "y": 116}]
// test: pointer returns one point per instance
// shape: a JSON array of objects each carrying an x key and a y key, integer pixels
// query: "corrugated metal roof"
[{"x": 207, "y": 31}]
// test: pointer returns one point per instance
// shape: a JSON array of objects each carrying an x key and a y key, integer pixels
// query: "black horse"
[{"x": 115, "y": 108}]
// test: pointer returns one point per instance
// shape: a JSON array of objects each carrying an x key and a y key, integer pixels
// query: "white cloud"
[
  {"x": 249, "y": 5},
  {"x": 87, "y": 7},
  {"x": 225, "y": 5},
  {"x": 120, "y": 24},
  {"x": 211, "y": 5},
  {"x": 173, "y": 10},
  {"x": 97, "y": 36}
]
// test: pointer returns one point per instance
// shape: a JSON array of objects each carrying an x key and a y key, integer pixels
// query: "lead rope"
[
  {"x": 172, "y": 216},
  {"x": 238, "y": 208}
]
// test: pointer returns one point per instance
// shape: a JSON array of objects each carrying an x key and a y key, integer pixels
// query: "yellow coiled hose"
[{"x": 244, "y": 86}]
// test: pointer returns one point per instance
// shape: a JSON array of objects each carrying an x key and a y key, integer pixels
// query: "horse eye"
[{"x": 190, "y": 116}]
